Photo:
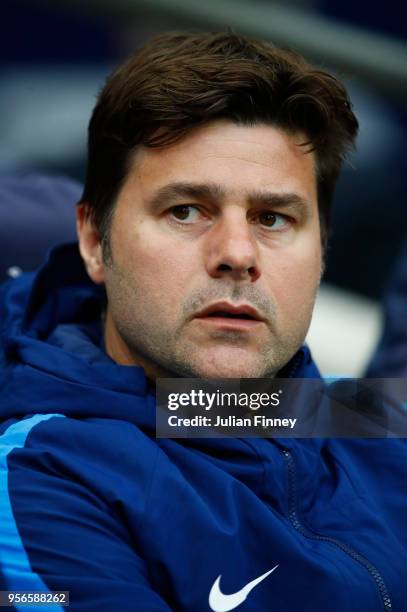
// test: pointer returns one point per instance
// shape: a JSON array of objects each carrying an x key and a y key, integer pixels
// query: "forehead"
[{"x": 241, "y": 158}]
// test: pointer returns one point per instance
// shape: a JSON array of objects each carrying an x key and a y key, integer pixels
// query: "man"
[{"x": 212, "y": 163}]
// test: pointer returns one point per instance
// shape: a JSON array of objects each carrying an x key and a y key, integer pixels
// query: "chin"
[
  {"x": 231, "y": 370},
  {"x": 223, "y": 362}
]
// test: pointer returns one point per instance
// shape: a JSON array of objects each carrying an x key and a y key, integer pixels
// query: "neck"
[{"x": 120, "y": 352}]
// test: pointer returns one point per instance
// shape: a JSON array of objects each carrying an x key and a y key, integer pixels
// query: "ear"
[{"x": 89, "y": 244}]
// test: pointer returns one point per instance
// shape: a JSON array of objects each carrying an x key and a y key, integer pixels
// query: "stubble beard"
[{"x": 169, "y": 353}]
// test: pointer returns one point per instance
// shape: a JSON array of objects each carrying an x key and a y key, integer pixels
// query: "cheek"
[
  {"x": 154, "y": 263},
  {"x": 294, "y": 282}
]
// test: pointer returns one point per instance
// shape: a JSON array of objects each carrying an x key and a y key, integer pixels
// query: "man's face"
[{"x": 215, "y": 254}]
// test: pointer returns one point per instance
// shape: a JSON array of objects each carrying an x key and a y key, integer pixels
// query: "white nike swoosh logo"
[{"x": 219, "y": 602}]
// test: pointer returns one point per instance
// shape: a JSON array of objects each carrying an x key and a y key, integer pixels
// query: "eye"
[
  {"x": 187, "y": 213},
  {"x": 272, "y": 220}
]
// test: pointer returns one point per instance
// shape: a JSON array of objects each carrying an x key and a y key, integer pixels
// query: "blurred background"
[{"x": 54, "y": 57}]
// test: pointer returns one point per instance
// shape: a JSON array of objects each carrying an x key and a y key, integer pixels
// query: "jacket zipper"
[{"x": 293, "y": 516}]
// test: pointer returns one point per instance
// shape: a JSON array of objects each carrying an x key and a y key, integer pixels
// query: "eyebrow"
[
  {"x": 280, "y": 201},
  {"x": 213, "y": 192},
  {"x": 173, "y": 191}
]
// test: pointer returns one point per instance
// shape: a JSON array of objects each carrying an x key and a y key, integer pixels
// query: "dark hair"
[{"x": 180, "y": 80}]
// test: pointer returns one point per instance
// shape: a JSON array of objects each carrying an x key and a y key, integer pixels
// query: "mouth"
[{"x": 229, "y": 316}]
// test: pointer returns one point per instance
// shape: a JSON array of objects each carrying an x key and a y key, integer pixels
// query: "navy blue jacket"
[{"x": 92, "y": 503}]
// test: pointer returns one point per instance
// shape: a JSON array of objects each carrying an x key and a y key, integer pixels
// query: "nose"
[{"x": 232, "y": 250}]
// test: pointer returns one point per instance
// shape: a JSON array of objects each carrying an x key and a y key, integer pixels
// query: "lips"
[{"x": 230, "y": 312}]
